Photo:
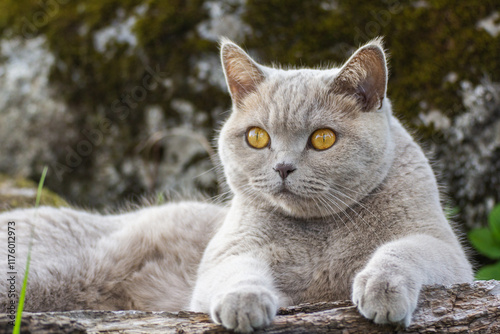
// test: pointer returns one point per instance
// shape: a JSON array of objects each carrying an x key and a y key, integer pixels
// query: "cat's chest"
[{"x": 314, "y": 262}]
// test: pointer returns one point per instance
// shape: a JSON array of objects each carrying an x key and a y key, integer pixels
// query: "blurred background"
[{"x": 122, "y": 98}]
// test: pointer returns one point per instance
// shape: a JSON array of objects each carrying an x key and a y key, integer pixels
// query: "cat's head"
[{"x": 307, "y": 142}]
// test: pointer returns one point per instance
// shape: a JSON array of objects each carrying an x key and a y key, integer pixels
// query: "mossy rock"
[{"x": 17, "y": 192}]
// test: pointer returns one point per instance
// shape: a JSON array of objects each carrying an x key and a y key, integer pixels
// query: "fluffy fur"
[{"x": 360, "y": 220}]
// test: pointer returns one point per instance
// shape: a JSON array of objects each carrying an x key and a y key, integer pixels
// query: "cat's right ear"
[{"x": 242, "y": 73}]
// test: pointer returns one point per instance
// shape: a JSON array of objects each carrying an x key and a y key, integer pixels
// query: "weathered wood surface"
[{"x": 462, "y": 308}]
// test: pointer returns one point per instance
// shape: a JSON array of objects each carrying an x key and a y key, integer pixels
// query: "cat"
[{"x": 332, "y": 199}]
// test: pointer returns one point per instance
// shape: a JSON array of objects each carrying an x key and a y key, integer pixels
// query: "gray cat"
[{"x": 332, "y": 200}]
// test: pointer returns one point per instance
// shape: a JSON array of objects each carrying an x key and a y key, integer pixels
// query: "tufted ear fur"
[
  {"x": 365, "y": 76},
  {"x": 243, "y": 74}
]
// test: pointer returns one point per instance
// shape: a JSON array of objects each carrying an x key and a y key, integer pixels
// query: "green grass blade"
[
  {"x": 40, "y": 187},
  {"x": 20, "y": 306}
]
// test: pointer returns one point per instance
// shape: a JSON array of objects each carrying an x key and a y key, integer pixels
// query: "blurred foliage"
[
  {"x": 428, "y": 40},
  {"x": 486, "y": 241}
]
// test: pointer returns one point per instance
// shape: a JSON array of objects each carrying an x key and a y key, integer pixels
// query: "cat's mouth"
[{"x": 285, "y": 191}]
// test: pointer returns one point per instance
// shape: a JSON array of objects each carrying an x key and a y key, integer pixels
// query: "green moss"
[{"x": 19, "y": 192}]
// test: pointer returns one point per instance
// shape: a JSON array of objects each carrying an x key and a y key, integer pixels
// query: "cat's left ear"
[
  {"x": 243, "y": 74},
  {"x": 364, "y": 75}
]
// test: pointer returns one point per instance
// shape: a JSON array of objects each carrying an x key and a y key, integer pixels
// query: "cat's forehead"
[{"x": 295, "y": 100}]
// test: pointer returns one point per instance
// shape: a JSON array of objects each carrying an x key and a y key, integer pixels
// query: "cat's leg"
[
  {"x": 151, "y": 263},
  {"x": 387, "y": 289},
  {"x": 238, "y": 292}
]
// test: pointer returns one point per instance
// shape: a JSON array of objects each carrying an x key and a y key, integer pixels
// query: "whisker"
[
  {"x": 366, "y": 223},
  {"x": 220, "y": 198},
  {"x": 329, "y": 207},
  {"x": 364, "y": 194}
]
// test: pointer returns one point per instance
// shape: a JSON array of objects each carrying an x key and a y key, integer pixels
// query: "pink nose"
[{"x": 284, "y": 169}]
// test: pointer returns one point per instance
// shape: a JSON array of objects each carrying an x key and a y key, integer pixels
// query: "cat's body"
[
  {"x": 351, "y": 211},
  {"x": 145, "y": 260}
]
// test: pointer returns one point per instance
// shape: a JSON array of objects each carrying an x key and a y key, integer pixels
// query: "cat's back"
[
  {"x": 59, "y": 228},
  {"x": 54, "y": 228}
]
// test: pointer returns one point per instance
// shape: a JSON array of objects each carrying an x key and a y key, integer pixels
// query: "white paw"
[
  {"x": 385, "y": 297},
  {"x": 245, "y": 310}
]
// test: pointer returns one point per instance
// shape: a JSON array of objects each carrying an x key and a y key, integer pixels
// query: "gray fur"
[
  {"x": 360, "y": 220},
  {"x": 144, "y": 260}
]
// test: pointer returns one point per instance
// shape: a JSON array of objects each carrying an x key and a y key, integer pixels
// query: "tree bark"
[{"x": 461, "y": 308}]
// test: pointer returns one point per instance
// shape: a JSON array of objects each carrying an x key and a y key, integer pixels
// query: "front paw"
[
  {"x": 245, "y": 310},
  {"x": 385, "y": 297}
]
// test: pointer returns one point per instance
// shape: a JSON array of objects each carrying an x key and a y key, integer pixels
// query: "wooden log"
[{"x": 461, "y": 308}]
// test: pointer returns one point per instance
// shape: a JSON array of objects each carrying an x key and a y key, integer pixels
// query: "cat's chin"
[
  {"x": 299, "y": 206},
  {"x": 285, "y": 192}
]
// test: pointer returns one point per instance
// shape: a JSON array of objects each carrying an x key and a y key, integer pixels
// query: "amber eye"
[
  {"x": 322, "y": 139},
  {"x": 257, "y": 137}
]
